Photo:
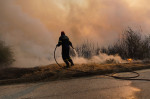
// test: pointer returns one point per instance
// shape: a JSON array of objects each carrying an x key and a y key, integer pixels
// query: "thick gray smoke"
[{"x": 32, "y": 27}]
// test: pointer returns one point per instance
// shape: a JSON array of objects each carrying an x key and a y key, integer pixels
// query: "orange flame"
[{"x": 130, "y": 59}]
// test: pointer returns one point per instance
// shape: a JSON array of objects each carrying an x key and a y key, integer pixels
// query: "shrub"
[
  {"x": 87, "y": 49},
  {"x": 131, "y": 45},
  {"x": 6, "y": 55}
]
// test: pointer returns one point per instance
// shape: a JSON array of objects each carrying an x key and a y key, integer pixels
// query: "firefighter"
[{"x": 65, "y": 42}]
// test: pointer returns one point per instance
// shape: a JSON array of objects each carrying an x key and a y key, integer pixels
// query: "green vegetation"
[{"x": 6, "y": 55}]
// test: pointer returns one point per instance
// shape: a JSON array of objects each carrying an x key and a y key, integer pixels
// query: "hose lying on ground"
[
  {"x": 125, "y": 78},
  {"x": 112, "y": 75},
  {"x": 129, "y": 78}
]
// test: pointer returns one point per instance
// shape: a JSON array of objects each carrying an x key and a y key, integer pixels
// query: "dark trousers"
[{"x": 66, "y": 57}]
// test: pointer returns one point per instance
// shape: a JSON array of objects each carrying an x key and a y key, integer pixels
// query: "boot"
[
  {"x": 70, "y": 60},
  {"x": 67, "y": 64}
]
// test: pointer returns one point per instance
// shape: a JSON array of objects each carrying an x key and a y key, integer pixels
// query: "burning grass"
[{"x": 53, "y": 72}]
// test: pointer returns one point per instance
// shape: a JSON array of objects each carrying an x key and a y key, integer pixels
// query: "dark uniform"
[{"x": 65, "y": 42}]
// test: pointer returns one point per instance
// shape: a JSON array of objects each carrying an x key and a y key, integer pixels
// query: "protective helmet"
[{"x": 62, "y": 33}]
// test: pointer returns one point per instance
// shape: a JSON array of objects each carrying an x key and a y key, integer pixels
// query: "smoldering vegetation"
[
  {"x": 33, "y": 27},
  {"x": 131, "y": 44}
]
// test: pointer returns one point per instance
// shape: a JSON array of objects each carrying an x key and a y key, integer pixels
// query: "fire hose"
[
  {"x": 125, "y": 78},
  {"x": 111, "y": 75},
  {"x": 55, "y": 57}
]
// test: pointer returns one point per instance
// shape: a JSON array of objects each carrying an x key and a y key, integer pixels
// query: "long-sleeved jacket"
[{"x": 64, "y": 41}]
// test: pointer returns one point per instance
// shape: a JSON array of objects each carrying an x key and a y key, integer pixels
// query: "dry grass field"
[{"x": 54, "y": 72}]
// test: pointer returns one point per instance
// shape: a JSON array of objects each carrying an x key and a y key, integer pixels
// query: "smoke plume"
[
  {"x": 32, "y": 27},
  {"x": 29, "y": 38}
]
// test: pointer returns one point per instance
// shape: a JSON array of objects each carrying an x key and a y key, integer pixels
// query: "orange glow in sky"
[{"x": 93, "y": 19}]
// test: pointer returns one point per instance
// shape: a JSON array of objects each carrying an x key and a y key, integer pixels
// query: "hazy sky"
[
  {"x": 32, "y": 27},
  {"x": 93, "y": 19}
]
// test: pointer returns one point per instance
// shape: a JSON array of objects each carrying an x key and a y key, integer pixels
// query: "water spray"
[{"x": 75, "y": 52}]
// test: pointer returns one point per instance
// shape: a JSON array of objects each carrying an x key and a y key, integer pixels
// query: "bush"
[
  {"x": 6, "y": 55},
  {"x": 87, "y": 49},
  {"x": 131, "y": 45}
]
